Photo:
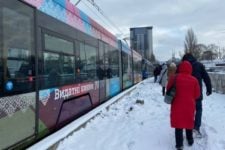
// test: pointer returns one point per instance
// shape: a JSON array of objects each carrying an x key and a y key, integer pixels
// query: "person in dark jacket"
[
  {"x": 200, "y": 73},
  {"x": 156, "y": 72},
  {"x": 144, "y": 74},
  {"x": 183, "y": 105}
]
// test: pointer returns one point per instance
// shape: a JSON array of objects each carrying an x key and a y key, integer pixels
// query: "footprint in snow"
[
  {"x": 130, "y": 145},
  {"x": 213, "y": 130},
  {"x": 222, "y": 142}
]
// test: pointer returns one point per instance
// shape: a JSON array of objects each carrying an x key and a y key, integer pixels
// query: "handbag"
[{"x": 170, "y": 94}]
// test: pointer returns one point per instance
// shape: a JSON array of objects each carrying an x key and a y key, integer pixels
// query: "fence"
[{"x": 218, "y": 81}]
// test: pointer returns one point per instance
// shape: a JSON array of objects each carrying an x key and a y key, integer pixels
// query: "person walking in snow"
[
  {"x": 183, "y": 105},
  {"x": 156, "y": 72},
  {"x": 200, "y": 74},
  {"x": 163, "y": 78},
  {"x": 172, "y": 70}
]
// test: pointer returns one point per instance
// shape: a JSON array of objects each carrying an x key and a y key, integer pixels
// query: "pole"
[{"x": 77, "y": 2}]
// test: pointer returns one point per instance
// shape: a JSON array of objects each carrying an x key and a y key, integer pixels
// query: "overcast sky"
[{"x": 170, "y": 20}]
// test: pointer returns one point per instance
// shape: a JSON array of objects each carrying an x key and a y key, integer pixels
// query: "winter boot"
[
  {"x": 180, "y": 148},
  {"x": 190, "y": 142}
]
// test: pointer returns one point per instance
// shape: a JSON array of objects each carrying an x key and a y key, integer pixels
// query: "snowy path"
[{"x": 128, "y": 125}]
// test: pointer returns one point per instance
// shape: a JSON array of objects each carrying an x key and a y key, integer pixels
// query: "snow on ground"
[{"x": 128, "y": 125}]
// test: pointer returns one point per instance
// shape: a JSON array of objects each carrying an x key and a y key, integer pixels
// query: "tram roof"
[{"x": 68, "y": 13}]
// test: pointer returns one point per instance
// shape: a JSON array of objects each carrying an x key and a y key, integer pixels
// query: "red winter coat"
[{"x": 187, "y": 91}]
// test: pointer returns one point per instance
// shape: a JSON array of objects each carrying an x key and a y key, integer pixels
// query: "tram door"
[{"x": 17, "y": 71}]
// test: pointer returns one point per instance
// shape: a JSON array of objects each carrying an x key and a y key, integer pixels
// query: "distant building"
[{"x": 141, "y": 41}]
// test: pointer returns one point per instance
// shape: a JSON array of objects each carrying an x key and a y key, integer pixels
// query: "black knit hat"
[{"x": 189, "y": 57}]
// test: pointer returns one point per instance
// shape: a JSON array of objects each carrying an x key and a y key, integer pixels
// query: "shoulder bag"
[{"x": 170, "y": 93}]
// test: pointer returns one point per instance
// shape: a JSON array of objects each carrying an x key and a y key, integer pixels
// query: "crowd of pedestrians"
[{"x": 186, "y": 107}]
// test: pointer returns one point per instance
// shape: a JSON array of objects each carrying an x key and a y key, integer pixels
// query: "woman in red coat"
[{"x": 183, "y": 106}]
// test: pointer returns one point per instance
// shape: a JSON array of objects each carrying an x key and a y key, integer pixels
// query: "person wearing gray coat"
[{"x": 163, "y": 78}]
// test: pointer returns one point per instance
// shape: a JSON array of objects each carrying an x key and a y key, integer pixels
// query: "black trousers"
[
  {"x": 198, "y": 114},
  {"x": 163, "y": 91},
  {"x": 155, "y": 79},
  {"x": 179, "y": 136}
]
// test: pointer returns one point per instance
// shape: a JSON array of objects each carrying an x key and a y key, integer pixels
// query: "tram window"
[
  {"x": 100, "y": 64},
  {"x": 68, "y": 69},
  {"x": 80, "y": 74},
  {"x": 18, "y": 62},
  {"x": 58, "y": 45},
  {"x": 59, "y": 63},
  {"x": 91, "y": 58},
  {"x": 86, "y": 61},
  {"x": 114, "y": 62},
  {"x": 108, "y": 70},
  {"x": 125, "y": 63},
  {"x": 81, "y": 59},
  {"x": 101, "y": 51},
  {"x": 51, "y": 61},
  {"x": 111, "y": 62},
  {"x": 59, "y": 69},
  {"x": 16, "y": 49},
  {"x": 51, "y": 69},
  {"x": 68, "y": 65}
]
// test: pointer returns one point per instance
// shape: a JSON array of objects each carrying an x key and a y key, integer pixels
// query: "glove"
[{"x": 208, "y": 93}]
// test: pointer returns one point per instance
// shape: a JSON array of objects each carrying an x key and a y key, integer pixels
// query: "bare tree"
[
  {"x": 203, "y": 47},
  {"x": 190, "y": 41},
  {"x": 190, "y": 44},
  {"x": 200, "y": 48},
  {"x": 208, "y": 55},
  {"x": 215, "y": 49}
]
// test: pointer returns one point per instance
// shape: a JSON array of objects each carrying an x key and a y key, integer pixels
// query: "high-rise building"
[{"x": 141, "y": 41}]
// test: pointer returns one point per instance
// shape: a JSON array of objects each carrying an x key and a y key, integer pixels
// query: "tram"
[{"x": 56, "y": 64}]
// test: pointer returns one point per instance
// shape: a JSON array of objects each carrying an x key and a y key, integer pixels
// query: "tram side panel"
[
  {"x": 126, "y": 66},
  {"x": 65, "y": 82},
  {"x": 137, "y": 63},
  {"x": 17, "y": 73},
  {"x": 67, "y": 74},
  {"x": 71, "y": 82}
]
